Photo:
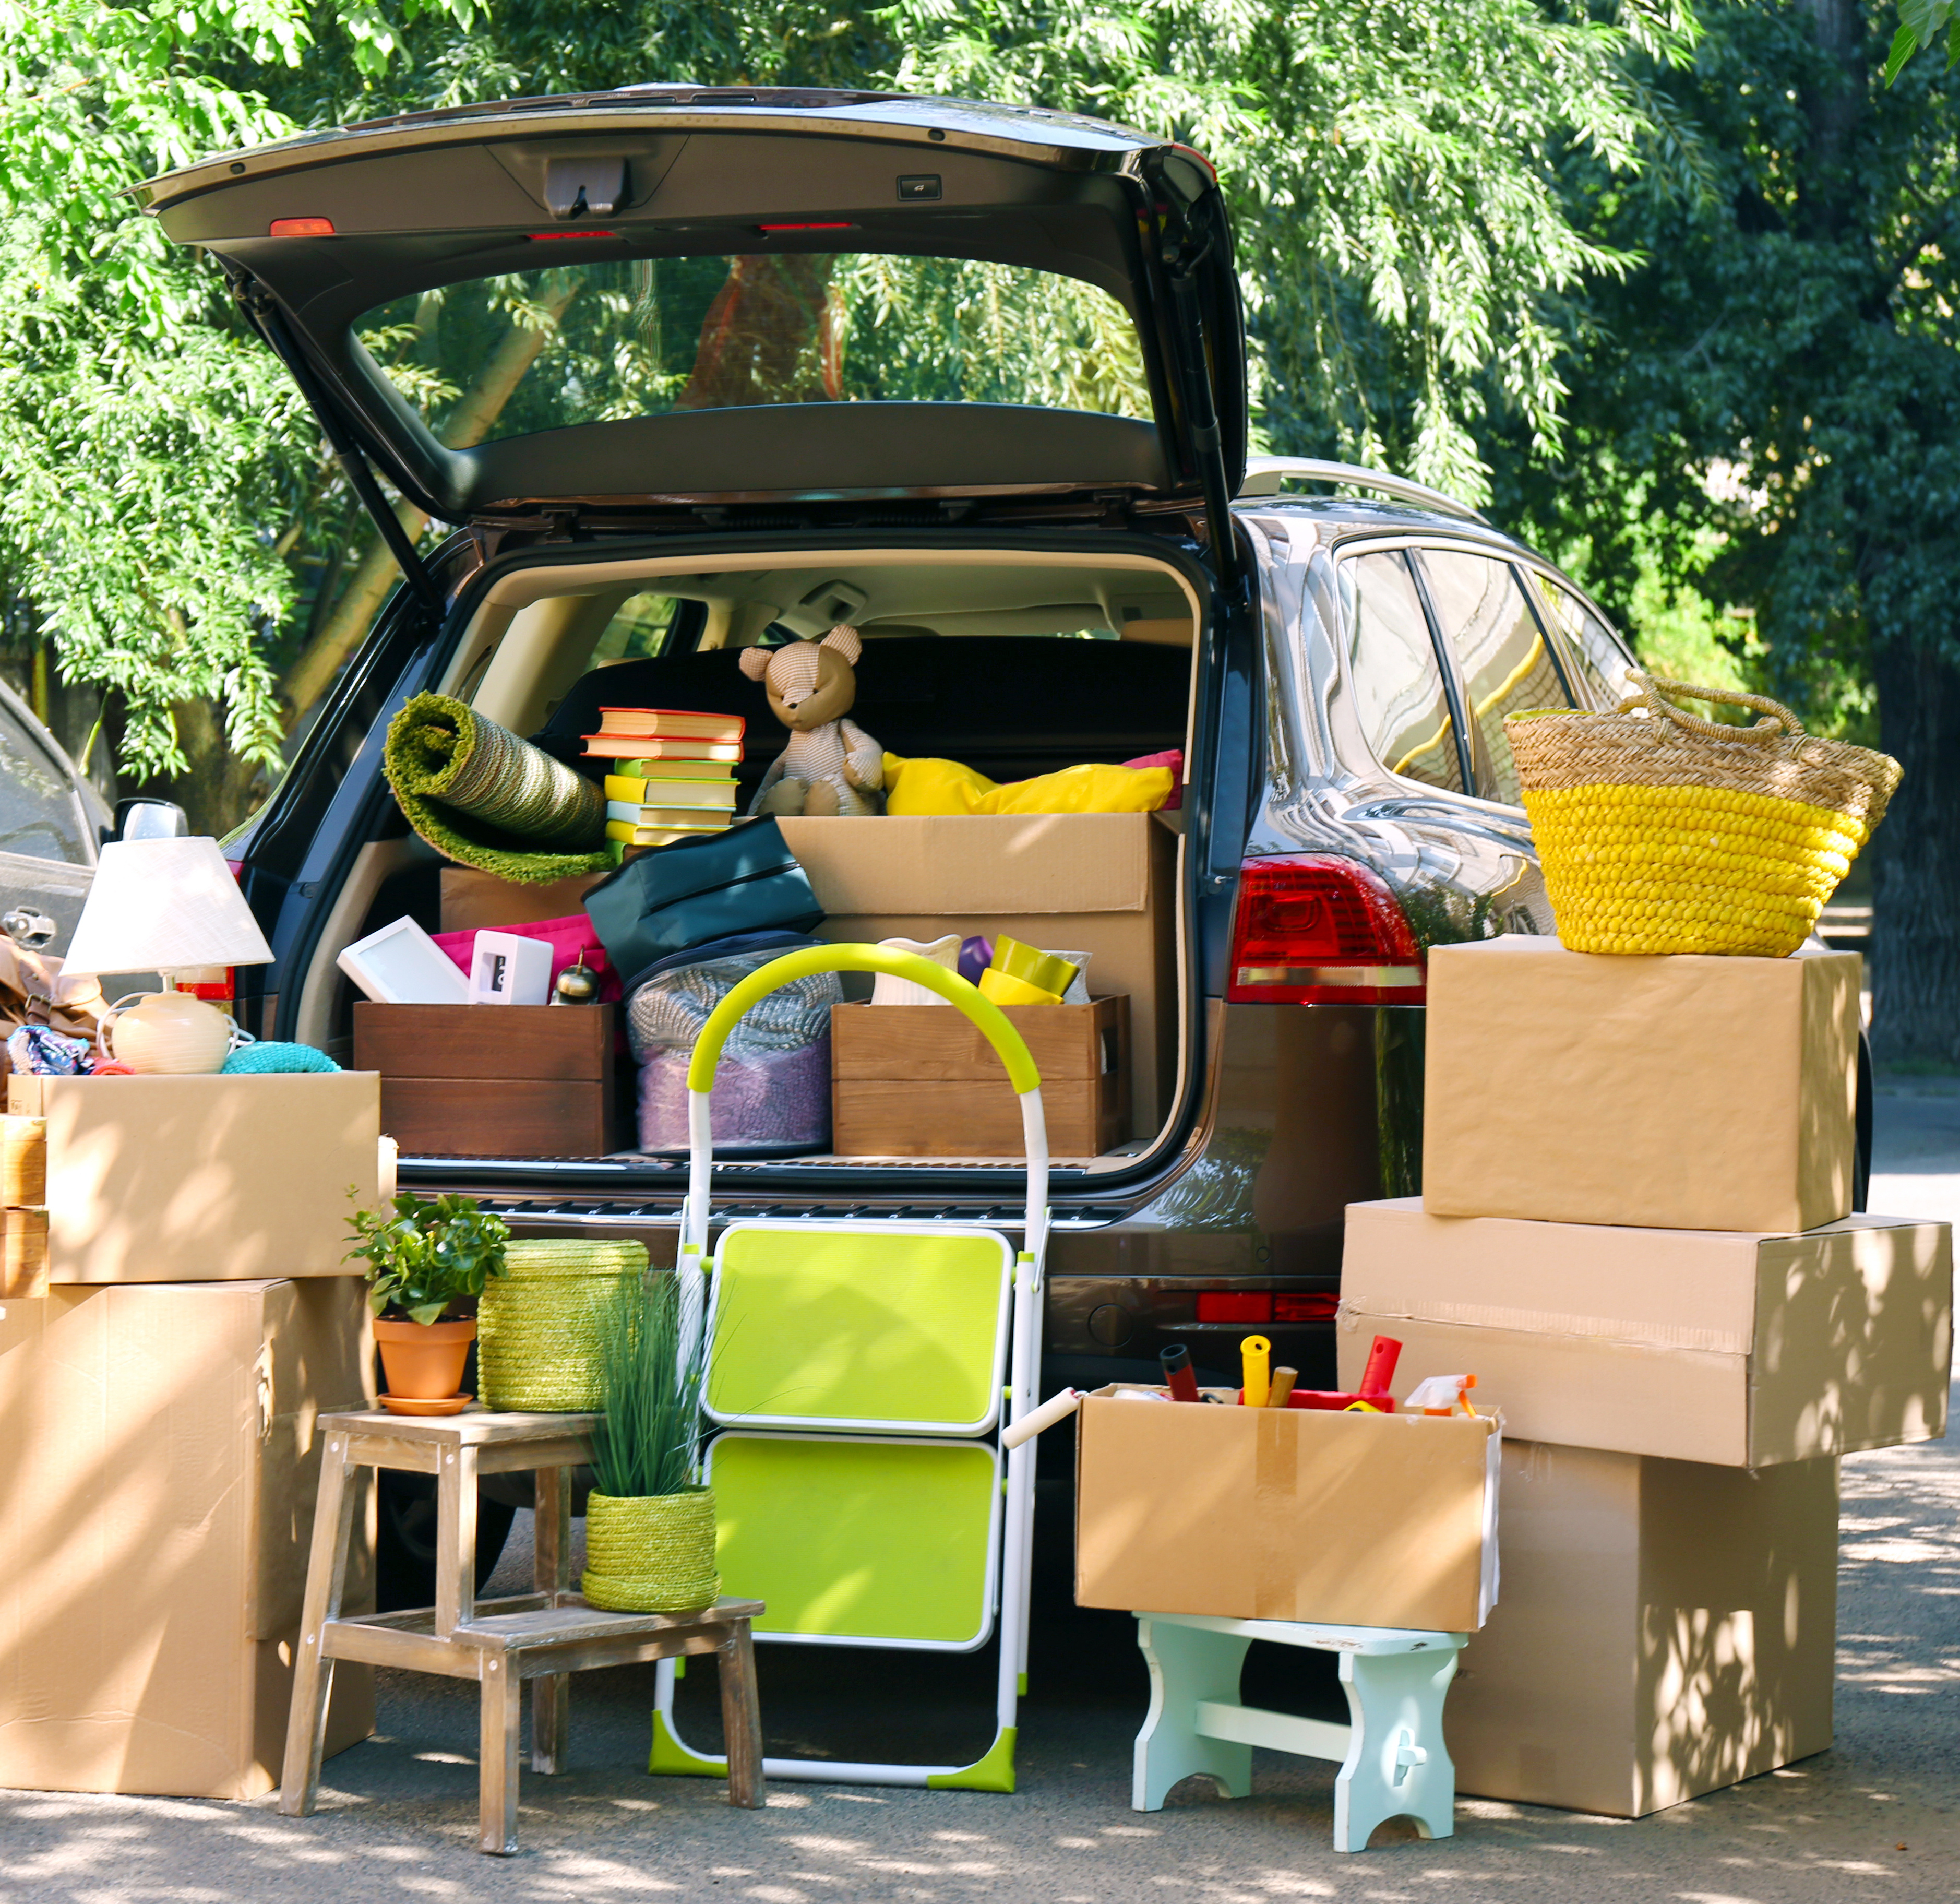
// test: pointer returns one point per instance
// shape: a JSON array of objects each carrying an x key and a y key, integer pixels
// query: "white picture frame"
[{"x": 401, "y": 965}]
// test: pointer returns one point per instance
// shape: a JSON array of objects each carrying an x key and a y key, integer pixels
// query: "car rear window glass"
[
  {"x": 1601, "y": 666},
  {"x": 1392, "y": 673},
  {"x": 1506, "y": 660},
  {"x": 543, "y": 350},
  {"x": 38, "y": 815}
]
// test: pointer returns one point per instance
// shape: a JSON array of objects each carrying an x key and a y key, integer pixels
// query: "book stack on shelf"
[{"x": 673, "y": 777}]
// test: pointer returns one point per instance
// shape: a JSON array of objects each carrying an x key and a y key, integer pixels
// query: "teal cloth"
[{"x": 272, "y": 1056}]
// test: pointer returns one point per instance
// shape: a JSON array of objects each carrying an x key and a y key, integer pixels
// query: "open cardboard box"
[{"x": 1360, "y": 1519}]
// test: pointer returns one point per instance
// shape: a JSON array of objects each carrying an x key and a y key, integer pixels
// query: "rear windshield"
[{"x": 589, "y": 343}]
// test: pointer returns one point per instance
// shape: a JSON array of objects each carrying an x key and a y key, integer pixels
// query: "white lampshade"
[{"x": 161, "y": 905}]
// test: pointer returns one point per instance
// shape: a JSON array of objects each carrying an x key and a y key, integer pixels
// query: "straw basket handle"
[{"x": 1652, "y": 694}]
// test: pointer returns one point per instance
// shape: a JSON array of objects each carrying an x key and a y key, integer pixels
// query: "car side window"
[
  {"x": 1591, "y": 649},
  {"x": 38, "y": 815},
  {"x": 1392, "y": 673},
  {"x": 1507, "y": 663}
]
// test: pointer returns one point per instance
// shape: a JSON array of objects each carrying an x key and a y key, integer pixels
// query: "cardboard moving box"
[
  {"x": 1681, "y": 1093},
  {"x": 1103, "y": 883},
  {"x": 159, "y": 1469},
  {"x": 202, "y": 1179},
  {"x": 1285, "y": 1514},
  {"x": 1667, "y": 1628},
  {"x": 1701, "y": 1345}
]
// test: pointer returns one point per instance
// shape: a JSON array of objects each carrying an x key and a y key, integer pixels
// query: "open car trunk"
[{"x": 1015, "y": 661}]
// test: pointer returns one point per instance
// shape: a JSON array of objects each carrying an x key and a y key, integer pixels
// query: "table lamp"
[{"x": 169, "y": 905}]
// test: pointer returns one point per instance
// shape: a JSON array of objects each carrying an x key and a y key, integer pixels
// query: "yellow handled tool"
[{"x": 1257, "y": 1355}]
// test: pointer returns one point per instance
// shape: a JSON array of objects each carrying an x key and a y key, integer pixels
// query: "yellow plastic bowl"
[
  {"x": 1005, "y": 989},
  {"x": 1031, "y": 965}
]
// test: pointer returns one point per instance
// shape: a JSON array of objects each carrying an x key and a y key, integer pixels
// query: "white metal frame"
[{"x": 1017, "y": 1513}]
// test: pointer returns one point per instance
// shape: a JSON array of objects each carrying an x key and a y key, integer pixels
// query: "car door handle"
[{"x": 28, "y": 930}]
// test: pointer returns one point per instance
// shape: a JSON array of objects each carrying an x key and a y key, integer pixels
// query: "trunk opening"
[{"x": 1013, "y": 661}]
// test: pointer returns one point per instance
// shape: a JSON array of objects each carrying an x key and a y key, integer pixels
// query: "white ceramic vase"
[
  {"x": 168, "y": 1034},
  {"x": 890, "y": 991}
]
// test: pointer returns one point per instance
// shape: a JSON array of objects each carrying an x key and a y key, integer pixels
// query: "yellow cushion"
[
  {"x": 916, "y": 786},
  {"x": 926, "y": 786}
]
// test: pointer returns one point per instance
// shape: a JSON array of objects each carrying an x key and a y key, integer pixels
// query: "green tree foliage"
[
  {"x": 1392, "y": 164},
  {"x": 1770, "y": 407},
  {"x": 143, "y": 437}
]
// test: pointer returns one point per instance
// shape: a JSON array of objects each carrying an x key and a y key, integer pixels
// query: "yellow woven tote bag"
[{"x": 1660, "y": 832}]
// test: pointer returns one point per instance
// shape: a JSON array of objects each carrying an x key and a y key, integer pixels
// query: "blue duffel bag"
[{"x": 744, "y": 880}]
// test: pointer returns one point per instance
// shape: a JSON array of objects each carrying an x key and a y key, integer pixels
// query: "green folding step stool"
[{"x": 860, "y": 1374}]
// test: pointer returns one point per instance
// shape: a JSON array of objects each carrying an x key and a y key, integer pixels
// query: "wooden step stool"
[
  {"x": 1393, "y": 1763},
  {"x": 543, "y": 1637}
]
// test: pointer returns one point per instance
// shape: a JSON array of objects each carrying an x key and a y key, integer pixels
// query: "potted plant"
[
  {"x": 422, "y": 1261},
  {"x": 649, "y": 1526}
]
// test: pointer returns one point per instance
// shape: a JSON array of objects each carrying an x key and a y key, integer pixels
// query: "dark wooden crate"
[
  {"x": 493, "y": 1081},
  {"x": 921, "y": 1081}
]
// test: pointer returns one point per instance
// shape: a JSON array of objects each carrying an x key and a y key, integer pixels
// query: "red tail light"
[
  {"x": 1235, "y": 1305},
  {"x": 302, "y": 228},
  {"x": 1311, "y": 930}
]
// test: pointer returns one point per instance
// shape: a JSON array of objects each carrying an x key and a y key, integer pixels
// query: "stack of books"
[{"x": 673, "y": 777}]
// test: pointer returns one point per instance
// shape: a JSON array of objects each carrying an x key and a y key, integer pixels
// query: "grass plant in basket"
[
  {"x": 649, "y": 1526},
  {"x": 424, "y": 1261}
]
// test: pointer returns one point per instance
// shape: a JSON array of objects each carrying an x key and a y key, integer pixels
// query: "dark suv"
[{"x": 686, "y": 370}]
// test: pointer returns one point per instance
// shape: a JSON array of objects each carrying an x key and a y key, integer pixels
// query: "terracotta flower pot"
[
  {"x": 651, "y": 1553},
  {"x": 424, "y": 1361}
]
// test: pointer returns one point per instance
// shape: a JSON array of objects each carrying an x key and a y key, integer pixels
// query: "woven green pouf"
[
  {"x": 538, "y": 1324},
  {"x": 652, "y": 1554}
]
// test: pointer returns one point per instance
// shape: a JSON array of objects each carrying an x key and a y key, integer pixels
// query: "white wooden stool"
[
  {"x": 1393, "y": 1763},
  {"x": 544, "y": 1636}
]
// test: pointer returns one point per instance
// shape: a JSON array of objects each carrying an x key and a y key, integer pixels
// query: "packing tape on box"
[
  {"x": 1275, "y": 1484},
  {"x": 1381, "y": 1313}
]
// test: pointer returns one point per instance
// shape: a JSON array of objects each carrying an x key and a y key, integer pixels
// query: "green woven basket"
[
  {"x": 653, "y": 1554},
  {"x": 538, "y": 1324}
]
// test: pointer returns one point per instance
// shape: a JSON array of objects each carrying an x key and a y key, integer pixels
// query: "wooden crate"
[
  {"x": 493, "y": 1081},
  {"x": 920, "y": 1081}
]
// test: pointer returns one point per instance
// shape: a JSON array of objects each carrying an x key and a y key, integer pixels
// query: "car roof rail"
[{"x": 1265, "y": 474}]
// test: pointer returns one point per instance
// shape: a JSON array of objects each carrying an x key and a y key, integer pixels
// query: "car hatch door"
[{"x": 668, "y": 294}]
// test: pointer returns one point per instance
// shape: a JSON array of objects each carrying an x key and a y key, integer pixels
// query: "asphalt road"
[{"x": 1876, "y": 1818}]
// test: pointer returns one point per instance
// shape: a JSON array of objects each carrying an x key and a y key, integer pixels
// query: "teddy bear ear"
[
  {"x": 754, "y": 662},
  {"x": 847, "y": 641}
]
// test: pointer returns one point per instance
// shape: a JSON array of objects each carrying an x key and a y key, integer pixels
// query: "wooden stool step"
[
  {"x": 543, "y": 1637},
  {"x": 1393, "y": 1761}
]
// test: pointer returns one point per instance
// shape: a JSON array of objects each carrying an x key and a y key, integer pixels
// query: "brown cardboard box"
[
  {"x": 1285, "y": 1514},
  {"x": 1677, "y": 1094},
  {"x": 202, "y": 1179},
  {"x": 493, "y": 1081},
  {"x": 1667, "y": 1628},
  {"x": 921, "y": 1081},
  {"x": 1103, "y": 883},
  {"x": 158, "y": 1471},
  {"x": 1695, "y": 1344},
  {"x": 472, "y": 900}
]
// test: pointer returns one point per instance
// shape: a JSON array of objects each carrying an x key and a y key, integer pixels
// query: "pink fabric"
[
  {"x": 1173, "y": 757},
  {"x": 568, "y": 937}
]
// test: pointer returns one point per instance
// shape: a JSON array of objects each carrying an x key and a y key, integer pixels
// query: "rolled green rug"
[{"x": 482, "y": 796}]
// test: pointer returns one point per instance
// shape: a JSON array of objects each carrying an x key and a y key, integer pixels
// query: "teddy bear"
[{"x": 831, "y": 765}]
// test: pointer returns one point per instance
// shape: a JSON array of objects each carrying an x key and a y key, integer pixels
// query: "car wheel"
[{"x": 405, "y": 1538}]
